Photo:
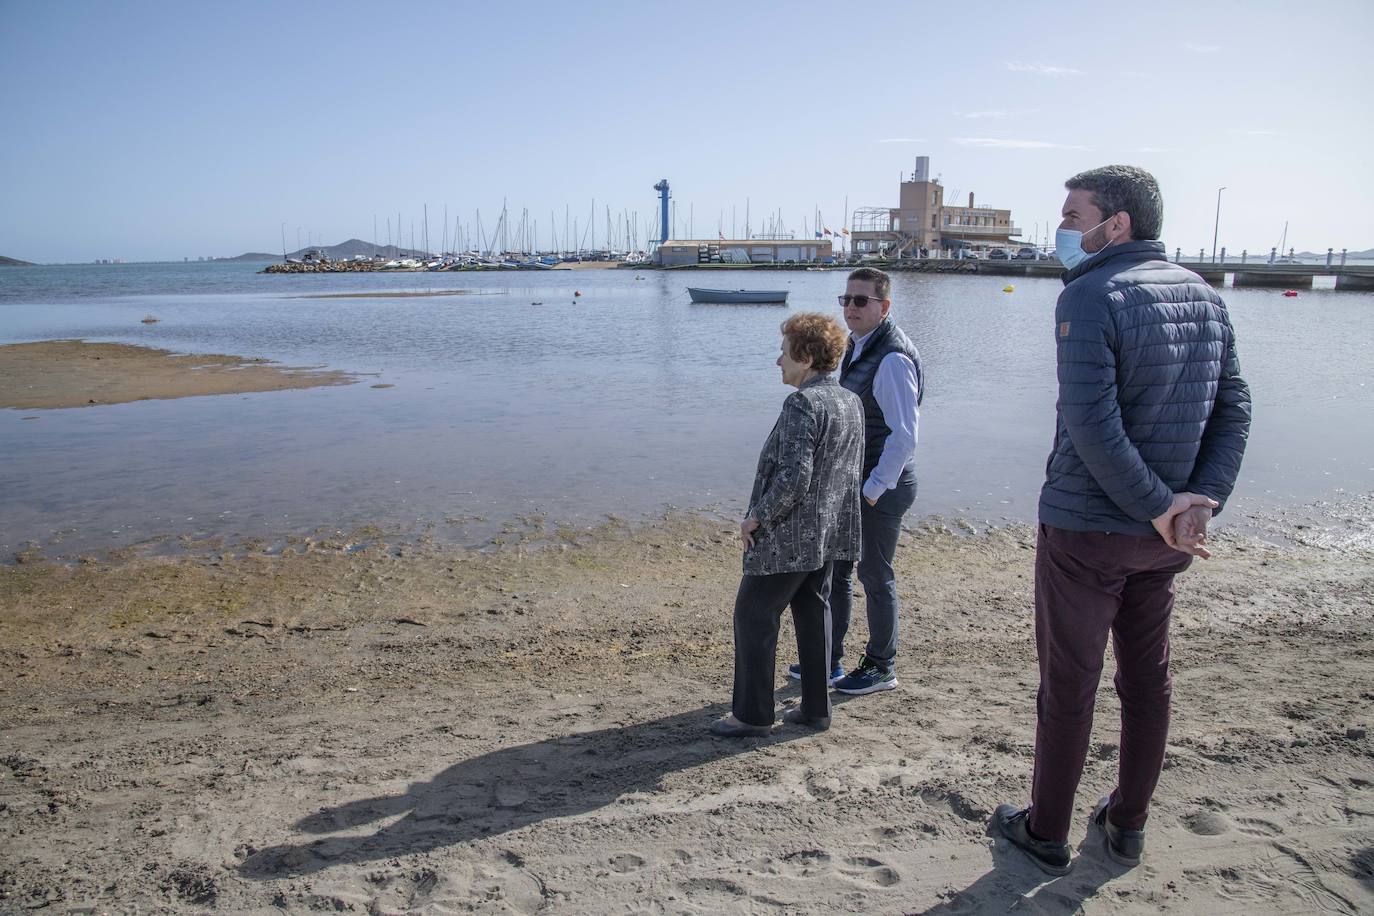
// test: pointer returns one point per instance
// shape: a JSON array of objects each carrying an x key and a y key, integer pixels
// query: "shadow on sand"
[
  {"x": 1014, "y": 882},
  {"x": 511, "y": 788}
]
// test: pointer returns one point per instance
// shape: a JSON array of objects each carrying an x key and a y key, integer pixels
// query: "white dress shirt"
[{"x": 896, "y": 389}]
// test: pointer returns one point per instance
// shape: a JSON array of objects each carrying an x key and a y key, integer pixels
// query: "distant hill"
[
  {"x": 1367, "y": 253},
  {"x": 349, "y": 249},
  {"x": 14, "y": 262},
  {"x": 251, "y": 256},
  {"x": 354, "y": 247}
]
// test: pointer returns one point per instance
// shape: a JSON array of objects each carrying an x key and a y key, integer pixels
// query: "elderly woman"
[{"x": 803, "y": 515}]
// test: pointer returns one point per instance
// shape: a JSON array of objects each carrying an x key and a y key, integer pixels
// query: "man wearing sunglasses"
[
  {"x": 1153, "y": 418},
  {"x": 882, "y": 367}
]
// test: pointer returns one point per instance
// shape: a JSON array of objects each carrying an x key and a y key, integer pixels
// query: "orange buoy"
[{"x": 1291, "y": 293}]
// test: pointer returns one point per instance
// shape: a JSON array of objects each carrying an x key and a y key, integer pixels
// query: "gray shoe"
[
  {"x": 1124, "y": 847},
  {"x": 1050, "y": 857},
  {"x": 730, "y": 727},
  {"x": 795, "y": 716}
]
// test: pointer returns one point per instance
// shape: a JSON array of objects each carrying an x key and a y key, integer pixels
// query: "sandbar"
[
  {"x": 77, "y": 373},
  {"x": 394, "y": 294}
]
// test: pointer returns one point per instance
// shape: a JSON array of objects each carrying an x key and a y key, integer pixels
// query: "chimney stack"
[{"x": 970, "y": 200}]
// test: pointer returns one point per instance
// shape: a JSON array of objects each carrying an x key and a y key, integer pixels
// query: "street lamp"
[{"x": 1216, "y": 226}]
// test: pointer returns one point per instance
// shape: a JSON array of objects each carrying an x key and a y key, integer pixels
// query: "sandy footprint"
[
  {"x": 1255, "y": 826},
  {"x": 957, "y": 804},
  {"x": 405, "y": 891},
  {"x": 501, "y": 881},
  {"x": 822, "y": 786},
  {"x": 1206, "y": 823},
  {"x": 1278, "y": 875},
  {"x": 626, "y": 862},
  {"x": 805, "y": 863},
  {"x": 697, "y": 886},
  {"x": 870, "y": 871}
]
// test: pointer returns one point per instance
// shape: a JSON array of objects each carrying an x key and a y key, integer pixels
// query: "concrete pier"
[
  {"x": 1282, "y": 276},
  {"x": 1281, "y": 279},
  {"x": 1355, "y": 281},
  {"x": 1214, "y": 274}
]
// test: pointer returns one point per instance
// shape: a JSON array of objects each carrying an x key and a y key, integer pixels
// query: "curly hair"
[{"x": 815, "y": 337}]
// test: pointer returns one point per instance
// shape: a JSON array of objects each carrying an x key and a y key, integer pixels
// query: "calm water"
[{"x": 517, "y": 399}]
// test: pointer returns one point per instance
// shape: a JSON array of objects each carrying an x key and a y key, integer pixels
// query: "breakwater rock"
[{"x": 320, "y": 267}]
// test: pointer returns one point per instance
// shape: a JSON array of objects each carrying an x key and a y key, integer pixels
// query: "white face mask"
[{"x": 1068, "y": 245}]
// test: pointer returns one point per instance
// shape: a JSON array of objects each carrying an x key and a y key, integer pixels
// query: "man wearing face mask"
[{"x": 1153, "y": 418}]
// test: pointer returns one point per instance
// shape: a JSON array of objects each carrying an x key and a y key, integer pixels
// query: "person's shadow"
[
  {"x": 510, "y": 788},
  {"x": 1013, "y": 878}
]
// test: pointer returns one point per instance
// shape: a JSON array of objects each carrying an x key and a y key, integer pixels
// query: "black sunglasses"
[{"x": 859, "y": 301}]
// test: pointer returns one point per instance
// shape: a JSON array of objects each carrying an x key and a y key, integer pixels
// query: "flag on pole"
[{"x": 721, "y": 234}]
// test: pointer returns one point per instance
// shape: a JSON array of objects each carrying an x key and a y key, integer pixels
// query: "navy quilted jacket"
[{"x": 1151, "y": 401}]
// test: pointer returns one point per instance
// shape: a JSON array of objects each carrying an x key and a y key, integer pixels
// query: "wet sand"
[
  {"x": 352, "y": 725},
  {"x": 76, "y": 373}
]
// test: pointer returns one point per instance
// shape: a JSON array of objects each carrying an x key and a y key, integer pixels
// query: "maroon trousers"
[{"x": 1089, "y": 584}]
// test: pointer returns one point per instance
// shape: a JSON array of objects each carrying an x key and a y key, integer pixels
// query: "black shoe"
[
  {"x": 795, "y": 716},
  {"x": 1123, "y": 846},
  {"x": 869, "y": 677},
  {"x": 1051, "y": 858},
  {"x": 730, "y": 727}
]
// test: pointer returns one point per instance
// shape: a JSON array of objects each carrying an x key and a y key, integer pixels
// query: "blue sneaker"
[
  {"x": 794, "y": 672},
  {"x": 867, "y": 678}
]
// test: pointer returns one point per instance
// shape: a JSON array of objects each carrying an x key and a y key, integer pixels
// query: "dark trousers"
[
  {"x": 881, "y": 526},
  {"x": 758, "y": 612},
  {"x": 1089, "y": 584}
]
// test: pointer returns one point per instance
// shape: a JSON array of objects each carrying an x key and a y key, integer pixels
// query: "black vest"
[{"x": 858, "y": 375}]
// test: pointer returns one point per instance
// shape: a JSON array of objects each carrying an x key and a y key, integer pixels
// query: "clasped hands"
[{"x": 1184, "y": 525}]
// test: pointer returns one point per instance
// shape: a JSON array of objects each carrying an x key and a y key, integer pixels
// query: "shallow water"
[{"x": 625, "y": 400}]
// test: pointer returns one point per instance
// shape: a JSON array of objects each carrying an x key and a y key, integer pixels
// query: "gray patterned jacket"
[{"x": 806, "y": 489}]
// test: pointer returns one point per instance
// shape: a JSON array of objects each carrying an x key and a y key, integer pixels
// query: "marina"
[{"x": 922, "y": 234}]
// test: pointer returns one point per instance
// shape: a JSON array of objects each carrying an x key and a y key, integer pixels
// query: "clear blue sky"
[{"x": 147, "y": 130}]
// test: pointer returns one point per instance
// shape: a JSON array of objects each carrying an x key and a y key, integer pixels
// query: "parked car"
[
  {"x": 1027, "y": 254},
  {"x": 998, "y": 254}
]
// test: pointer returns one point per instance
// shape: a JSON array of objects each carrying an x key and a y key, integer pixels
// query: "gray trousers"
[
  {"x": 758, "y": 612},
  {"x": 882, "y": 525}
]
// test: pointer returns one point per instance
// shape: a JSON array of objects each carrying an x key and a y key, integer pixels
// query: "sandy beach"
[
  {"x": 352, "y": 725},
  {"x": 78, "y": 373}
]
